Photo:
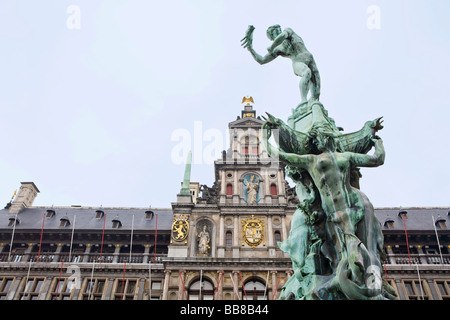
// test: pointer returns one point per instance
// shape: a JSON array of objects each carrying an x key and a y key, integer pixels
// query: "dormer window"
[
  {"x": 389, "y": 223},
  {"x": 99, "y": 214},
  {"x": 116, "y": 224},
  {"x": 403, "y": 214},
  {"x": 149, "y": 214},
  {"x": 440, "y": 222},
  {"x": 50, "y": 213},
  {"x": 13, "y": 222},
  {"x": 64, "y": 222}
]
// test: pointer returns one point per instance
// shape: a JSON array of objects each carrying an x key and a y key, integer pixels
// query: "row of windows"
[
  {"x": 32, "y": 288},
  {"x": 127, "y": 289},
  {"x": 273, "y": 189}
]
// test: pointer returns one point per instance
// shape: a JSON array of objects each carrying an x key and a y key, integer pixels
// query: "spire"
[{"x": 187, "y": 176}]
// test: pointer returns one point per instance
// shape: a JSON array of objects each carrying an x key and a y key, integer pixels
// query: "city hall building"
[{"x": 215, "y": 242}]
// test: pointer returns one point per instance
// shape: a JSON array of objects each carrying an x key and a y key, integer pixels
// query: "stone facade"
[{"x": 216, "y": 242}]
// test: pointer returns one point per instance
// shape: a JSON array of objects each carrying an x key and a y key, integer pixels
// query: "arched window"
[
  {"x": 229, "y": 189},
  {"x": 201, "y": 291},
  {"x": 277, "y": 236},
  {"x": 273, "y": 189},
  {"x": 229, "y": 240},
  {"x": 255, "y": 290}
]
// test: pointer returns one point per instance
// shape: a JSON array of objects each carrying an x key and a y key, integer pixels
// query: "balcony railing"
[
  {"x": 84, "y": 257},
  {"x": 418, "y": 259}
]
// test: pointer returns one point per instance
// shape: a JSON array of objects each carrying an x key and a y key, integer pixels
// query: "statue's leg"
[{"x": 302, "y": 70}]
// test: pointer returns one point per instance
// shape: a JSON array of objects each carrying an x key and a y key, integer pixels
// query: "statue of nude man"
[{"x": 288, "y": 44}]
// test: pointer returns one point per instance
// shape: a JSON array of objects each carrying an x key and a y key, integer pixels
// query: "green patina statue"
[
  {"x": 288, "y": 44},
  {"x": 335, "y": 242}
]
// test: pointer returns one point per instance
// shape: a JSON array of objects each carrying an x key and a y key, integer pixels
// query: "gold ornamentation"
[
  {"x": 180, "y": 228},
  {"x": 247, "y": 100},
  {"x": 253, "y": 231}
]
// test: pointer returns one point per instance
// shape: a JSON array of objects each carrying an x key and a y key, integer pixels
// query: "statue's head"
[{"x": 273, "y": 31}]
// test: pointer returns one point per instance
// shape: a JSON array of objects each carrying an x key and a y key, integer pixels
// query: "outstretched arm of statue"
[
  {"x": 302, "y": 161},
  {"x": 247, "y": 42},
  {"x": 365, "y": 160}
]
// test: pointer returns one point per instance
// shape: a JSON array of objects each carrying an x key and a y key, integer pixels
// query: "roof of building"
[
  {"x": 86, "y": 218},
  {"x": 417, "y": 219}
]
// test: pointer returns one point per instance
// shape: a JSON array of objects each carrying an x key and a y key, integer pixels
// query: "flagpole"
[
  {"x": 26, "y": 281},
  {"x": 437, "y": 238},
  {"x": 420, "y": 281},
  {"x": 131, "y": 240},
  {"x": 123, "y": 278},
  {"x": 12, "y": 236},
  {"x": 156, "y": 235},
  {"x": 150, "y": 280},
  {"x": 40, "y": 242},
  {"x": 406, "y": 235},
  {"x": 103, "y": 236},
  {"x": 59, "y": 280},
  {"x": 92, "y": 282},
  {"x": 71, "y": 238}
]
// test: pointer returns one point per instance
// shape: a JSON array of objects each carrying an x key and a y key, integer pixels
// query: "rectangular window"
[
  {"x": 443, "y": 288},
  {"x": 125, "y": 289},
  {"x": 30, "y": 290},
  {"x": 229, "y": 189},
  {"x": 62, "y": 289},
  {"x": 229, "y": 240},
  {"x": 415, "y": 290},
  {"x": 156, "y": 285},
  {"x": 273, "y": 189},
  {"x": 5, "y": 285},
  {"x": 93, "y": 290}
]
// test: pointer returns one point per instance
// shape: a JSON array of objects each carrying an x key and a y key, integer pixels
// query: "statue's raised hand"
[{"x": 247, "y": 41}]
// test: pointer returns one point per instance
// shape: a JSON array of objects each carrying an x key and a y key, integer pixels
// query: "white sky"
[{"x": 88, "y": 114}]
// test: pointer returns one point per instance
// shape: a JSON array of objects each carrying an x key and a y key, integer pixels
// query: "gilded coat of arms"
[
  {"x": 253, "y": 232},
  {"x": 180, "y": 228}
]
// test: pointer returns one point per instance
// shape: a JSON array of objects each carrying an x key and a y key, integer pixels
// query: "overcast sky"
[{"x": 94, "y": 94}]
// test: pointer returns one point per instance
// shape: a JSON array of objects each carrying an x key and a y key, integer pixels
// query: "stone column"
[
  {"x": 116, "y": 253},
  {"x": 166, "y": 284},
  {"x": 57, "y": 252},
  {"x": 181, "y": 285},
  {"x": 219, "y": 293},
  {"x": 146, "y": 254},
  {"x": 27, "y": 253},
  {"x": 86, "y": 253},
  {"x": 221, "y": 246},
  {"x": 274, "y": 284},
  {"x": 235, "y": 285}
]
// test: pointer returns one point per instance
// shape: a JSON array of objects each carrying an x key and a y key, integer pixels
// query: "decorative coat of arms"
[
  {"x": 253, "y": 232},
  {"x": 180, "y": 228}
]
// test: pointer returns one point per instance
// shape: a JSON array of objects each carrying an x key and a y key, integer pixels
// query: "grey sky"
[{"x": 88, "y": 114}]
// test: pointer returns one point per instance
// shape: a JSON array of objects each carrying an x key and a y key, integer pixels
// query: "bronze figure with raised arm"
[{"x": 288, "y": 44}]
